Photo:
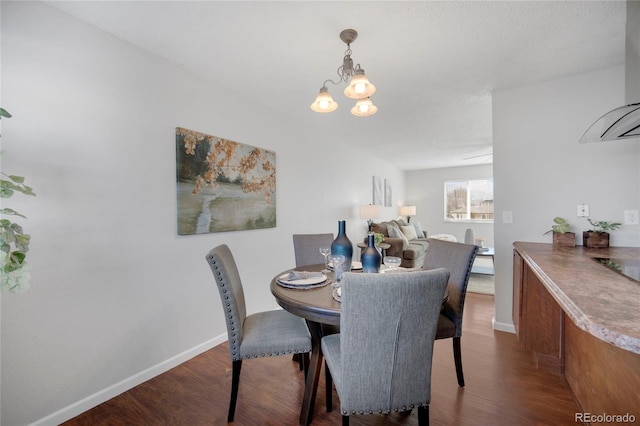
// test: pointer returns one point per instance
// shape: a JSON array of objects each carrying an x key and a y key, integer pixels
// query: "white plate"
[
  {"x": 302, "y": 282},
  {"x": 336, "y": 295},
  {"x": 355, "y": 266}
]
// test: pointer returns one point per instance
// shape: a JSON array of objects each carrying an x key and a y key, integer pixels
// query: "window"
[{"x": 468, "y": 200}]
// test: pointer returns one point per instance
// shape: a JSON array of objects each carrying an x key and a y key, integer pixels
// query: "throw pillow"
[
  {"x": 395, "y": 232},
  {"x": 419, "y": 230},
  {"x": 409, "y": 231},
  {"x": 380, "y": 228}
]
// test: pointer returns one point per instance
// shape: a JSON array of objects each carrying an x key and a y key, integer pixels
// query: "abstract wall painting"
[{"x": 223, "y": 185}]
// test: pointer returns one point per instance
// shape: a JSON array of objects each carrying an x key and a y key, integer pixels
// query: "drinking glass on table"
[
  {"x": 337, "y": 261},
  {"x": 325, "y": 251},
  {"x": 392, "y": 262}
]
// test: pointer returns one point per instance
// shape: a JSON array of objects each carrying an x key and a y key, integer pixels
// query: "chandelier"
[{"x": 359, "y": 87}]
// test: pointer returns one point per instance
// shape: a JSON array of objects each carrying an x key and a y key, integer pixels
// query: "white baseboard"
[
  {"x": 503, "y": 326},
  {"x": 116, "y": 389}
]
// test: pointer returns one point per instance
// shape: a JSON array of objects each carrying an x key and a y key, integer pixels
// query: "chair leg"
[
  {"x": 328, "y": 381},
  {"x": 305, "y": 364},
  {"x": 235, "y": 383},
  {"x": 297, "y": 358},
  {"x": 457, "y": 357},
  {"x": 423, "y": 415},
  {"x": 345, "y": 420}
]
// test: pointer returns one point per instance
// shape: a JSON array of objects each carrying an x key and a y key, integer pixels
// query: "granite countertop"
[{"x": 598, "y": 300}]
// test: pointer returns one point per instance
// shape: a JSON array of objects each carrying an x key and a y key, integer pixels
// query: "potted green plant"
[
  {"x": 561, "y": 235},
  {"x": 598, "y": 235},
  {"x": 14, "y": 242},
  {"x": 378, "y": 237}
]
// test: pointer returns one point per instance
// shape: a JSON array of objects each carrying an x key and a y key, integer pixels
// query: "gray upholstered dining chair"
[
  {"x": 306, "y": 248},
  {"x": 458, "y": 259},
  {"x": 381, "y": 359},
  {"x": 261, "y": 334}
]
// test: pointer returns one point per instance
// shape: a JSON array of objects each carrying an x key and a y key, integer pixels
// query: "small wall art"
[
  {"x": 378, "y": 195},
  {"x": 223, "y": 185},
  {"x": 388, "y": 193}
]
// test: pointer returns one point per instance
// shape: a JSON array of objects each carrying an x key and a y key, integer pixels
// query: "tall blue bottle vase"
[
  {"x": 342, "y": 245},
  {"x": 370, "y": 257}
]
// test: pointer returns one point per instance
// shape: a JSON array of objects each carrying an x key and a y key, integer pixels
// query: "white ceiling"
[{"x": 434, "y": 63}]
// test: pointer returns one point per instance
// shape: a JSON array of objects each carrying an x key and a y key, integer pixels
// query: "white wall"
[
  {"x": 117, "y": 296},
  {"x": 425, "y": 190},
  {"x": 540, "y": 170}
]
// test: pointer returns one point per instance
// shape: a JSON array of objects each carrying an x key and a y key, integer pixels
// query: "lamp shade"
[
  {"x": 407, "y": 210},
  {"x": 324, "y": 102},
  {"x": 364, "y": 108},
  {"x": 360, "y": 87},
  {"x": 370, "y": 212}
]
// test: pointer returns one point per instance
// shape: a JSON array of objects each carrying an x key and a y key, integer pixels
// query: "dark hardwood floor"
[{"x": 502, "y": 388}]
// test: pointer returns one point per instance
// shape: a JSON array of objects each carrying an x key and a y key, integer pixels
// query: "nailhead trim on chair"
[
  {"x": 380, "y": 411},
  {"x": 233, "y": 342},
  {"x": 296, "y": 351}
]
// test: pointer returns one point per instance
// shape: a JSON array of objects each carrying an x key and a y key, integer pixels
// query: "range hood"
[{"x": 624, "y": 122}]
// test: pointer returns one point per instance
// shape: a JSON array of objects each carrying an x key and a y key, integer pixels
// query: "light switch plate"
[
  {"x": 507, "y": 217},
  {"x": 583, "y": 210}
]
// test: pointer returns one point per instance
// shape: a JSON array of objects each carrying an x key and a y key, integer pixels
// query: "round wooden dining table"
[{"x": 317, "y": 306}]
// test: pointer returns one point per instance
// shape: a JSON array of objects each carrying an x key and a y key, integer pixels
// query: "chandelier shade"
[
  {"x": 358, "y": 85},
  {"x": 324, "y": 102},
  {"x": 364, "y": 108}
]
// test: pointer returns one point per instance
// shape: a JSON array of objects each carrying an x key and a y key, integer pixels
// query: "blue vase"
[
  {"x": 342, "y": 245},
  {"x": 370, "y": 256}
]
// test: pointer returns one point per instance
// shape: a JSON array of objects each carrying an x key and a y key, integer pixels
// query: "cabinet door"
[{"x": 541, "y": 323}]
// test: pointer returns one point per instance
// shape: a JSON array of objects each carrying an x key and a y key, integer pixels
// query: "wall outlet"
[
  {"x": 583, "y": 210},
  {"x": 507, "y": 217},
  {"x": 631, "y": 217}
]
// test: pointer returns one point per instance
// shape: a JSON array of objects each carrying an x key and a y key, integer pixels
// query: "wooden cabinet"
[
  {"x": 570, "y": 332},
  {"x": 602, "y": 377},
  {"x": 537, "y": 318}
]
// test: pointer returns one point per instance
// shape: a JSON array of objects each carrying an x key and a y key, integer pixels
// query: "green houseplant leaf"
[
  {"x": 602, "y": 226},
  {"x": 14, "y": 243},
  {"x": 561, "y": 226}
]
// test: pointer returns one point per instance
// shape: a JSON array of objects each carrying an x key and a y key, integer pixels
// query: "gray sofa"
[{"x": 410, "y": 250}]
